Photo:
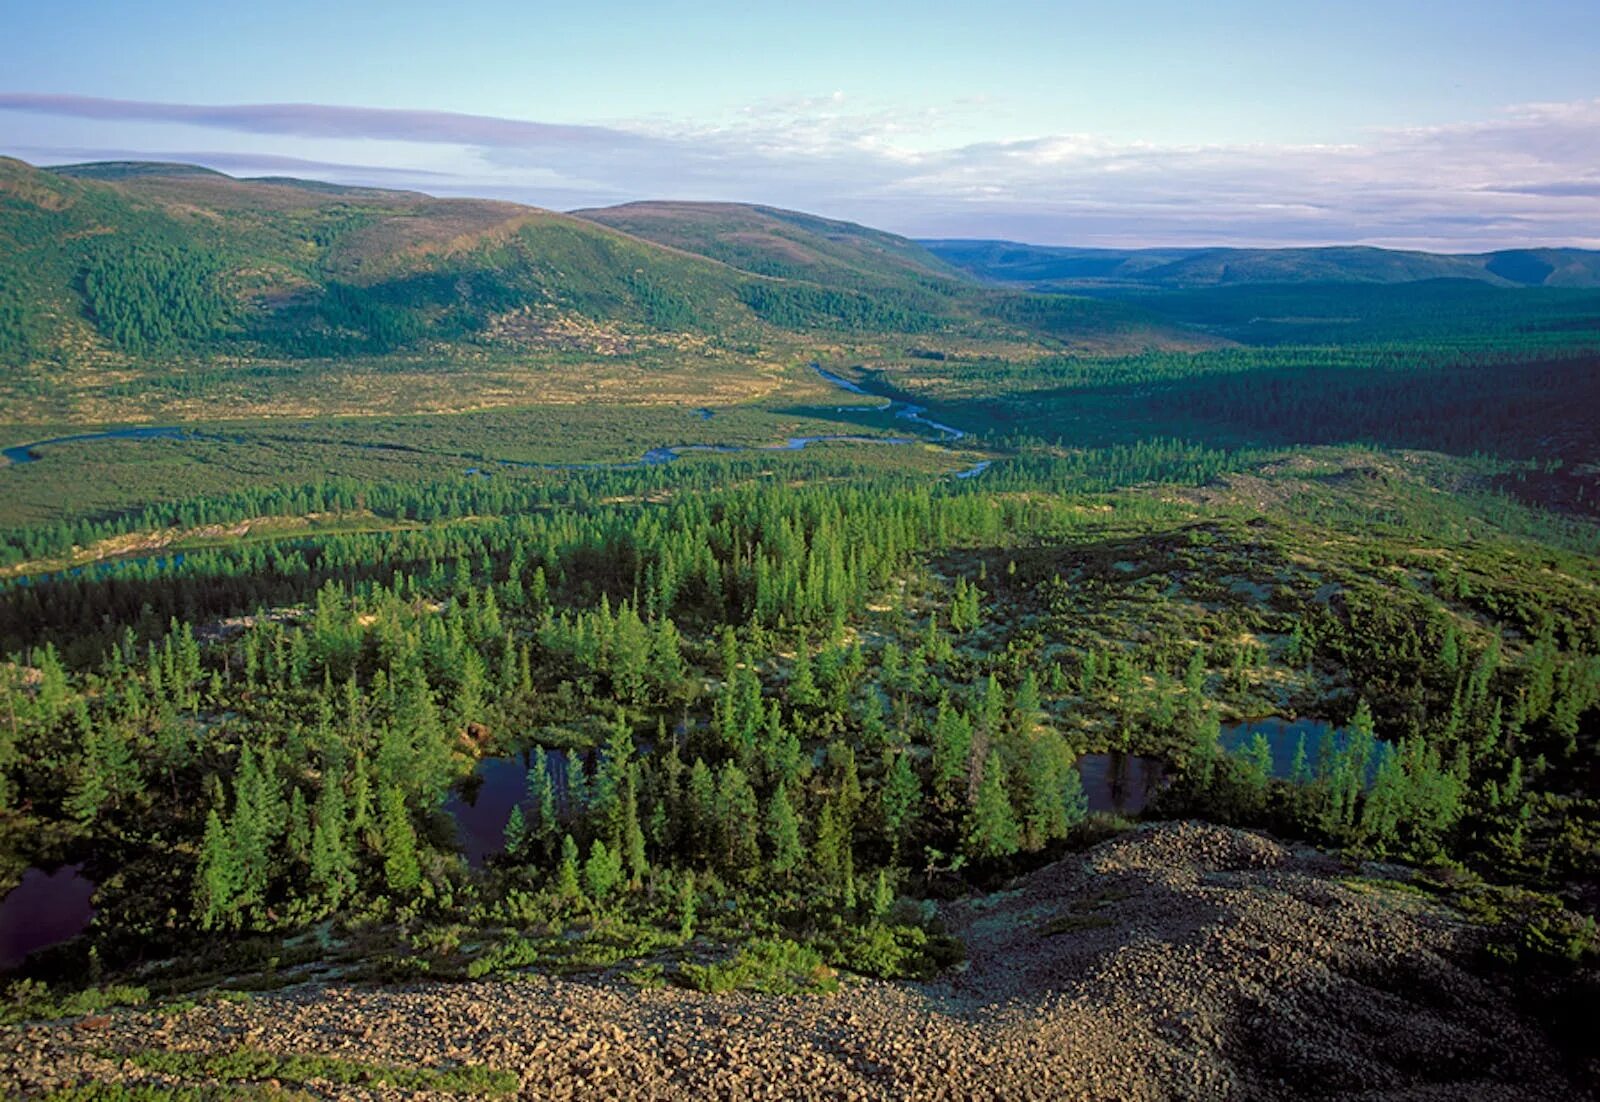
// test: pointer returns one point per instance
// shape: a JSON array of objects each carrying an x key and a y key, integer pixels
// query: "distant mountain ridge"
[{"x": 1047, "y": 267}]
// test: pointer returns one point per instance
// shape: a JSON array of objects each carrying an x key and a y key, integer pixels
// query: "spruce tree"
[
  {"x": 217, "y": 877},
  {"x": 783, "y": 834},
  {"x": 899, "y": 799},
  {"x": 601, "y": 871},
  {"x": 516, "y": 834},
  {"x": 952, "y": 748},
  {"x": 686, "y": 906},
  {"x": 739, "y": 823},
  {"x": 332, "y": 863},
  {"x": 992, "y": 829},
  {"x": 542, "y": 798},
  {"x": 633, "y": 851},
  {"x": 566, "y": 878},
  {"x": 578, "y": 798},
  {"x": 401, "y": 871}
]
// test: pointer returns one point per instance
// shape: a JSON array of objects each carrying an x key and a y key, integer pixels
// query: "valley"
[{"x": 662, "y": 649}]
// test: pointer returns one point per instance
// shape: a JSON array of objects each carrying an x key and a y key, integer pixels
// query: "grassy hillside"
[
  {"x": 1052, "y": 267},
  {"x": 152, "y": 259},
  {"x": 786, "y": 244}
]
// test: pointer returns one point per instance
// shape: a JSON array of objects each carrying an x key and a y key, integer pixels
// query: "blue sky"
[{"x": 1460, "y": 125}]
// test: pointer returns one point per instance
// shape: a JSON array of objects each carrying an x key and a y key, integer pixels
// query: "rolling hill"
[
  {"x": 1047, "y": 267},
  {"x": 155, "y": 259},
  {"x": 787, "y": 244},
  {"x": 103, "y": 263}
]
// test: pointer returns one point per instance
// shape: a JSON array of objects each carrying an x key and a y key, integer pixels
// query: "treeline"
[
  {"x": 1462, "y": 314},
  {"x": 1510, "y": 409},
  {"x": 513, "y": 490}
]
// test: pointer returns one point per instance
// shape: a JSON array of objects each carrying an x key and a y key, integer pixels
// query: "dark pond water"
[
  {"x": 1120, "y": 783},
  {"x": 1284, "y": 736},
  {"x": 46, "y": 909},
  {"x": 481, "y": 807},
  {"x": 94, "y": 569}
]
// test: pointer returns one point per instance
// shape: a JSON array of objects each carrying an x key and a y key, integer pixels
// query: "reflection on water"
[
  {"x": 46, "y": 909},
  {"x": 1284, "y": 736},
  {"x": 1120, "y": 783},
  {"x": 481, "y": 807}
]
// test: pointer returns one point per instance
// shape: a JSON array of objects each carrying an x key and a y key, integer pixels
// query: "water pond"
[
  {"x": 45, "y": 909},
  {"x": 1121, "y": 784},
  {"x": 1283, "y": 736}
]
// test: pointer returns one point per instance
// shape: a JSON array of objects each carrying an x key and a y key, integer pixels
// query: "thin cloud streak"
[
  {"x": 314, "y": 120},
  {"x": 1523, "y": 176}
]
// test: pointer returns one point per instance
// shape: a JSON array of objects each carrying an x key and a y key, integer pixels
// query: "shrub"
[{"x": 772, "y": 966}]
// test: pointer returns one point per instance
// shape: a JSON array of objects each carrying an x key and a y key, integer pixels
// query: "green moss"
[{"x": 245, "y": 1065}]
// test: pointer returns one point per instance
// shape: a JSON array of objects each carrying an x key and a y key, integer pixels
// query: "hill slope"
[
  {"x": 128, "y": 261},
  {"x": 785, "y": 244},
  {"x": 1046, "y": 266},
  {"x": 1179, "y": 960},
  {"x": 153, "y": 259}
]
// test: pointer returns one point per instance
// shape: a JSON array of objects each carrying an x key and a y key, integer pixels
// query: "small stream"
[{"x": 19, "y": 454}]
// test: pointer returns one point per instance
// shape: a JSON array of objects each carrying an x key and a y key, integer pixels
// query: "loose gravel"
[{"x": 1178, "y": 961}]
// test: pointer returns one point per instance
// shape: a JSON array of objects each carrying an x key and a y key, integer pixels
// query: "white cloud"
[{"x": 1525, "y": 175}]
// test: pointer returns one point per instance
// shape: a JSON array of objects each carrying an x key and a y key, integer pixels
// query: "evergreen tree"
[
  {"x": 830, "y": 852},
  {"x": 633, "y": 851},
  {"x": 899, "y": 799},
  {"x": 217, "y": 877},
  {"x": 401, "y": 871},
  {"x": 602, "y": 871},
  {"x": 332, "y": 864},
  {"x": 566, "y": 879},
  {"x": 298, "y": 837},
  {"x": 783, "y": 834},
  {"x": 516, "y": 833},
  {"x": 952, "y": 749},
  {"x": 686, "y": 906},
  {"x": 992, "y": 829},
  {"x": 739, "y": 823},
  {"x": 578, "y": 798},
  {"x": 542, "y": 798}
]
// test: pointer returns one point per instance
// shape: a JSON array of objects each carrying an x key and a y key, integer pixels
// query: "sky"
[{"x": 1408, "y": 123}]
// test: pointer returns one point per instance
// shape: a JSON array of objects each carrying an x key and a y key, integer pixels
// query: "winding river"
[{"x": 20, "y": 454}]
